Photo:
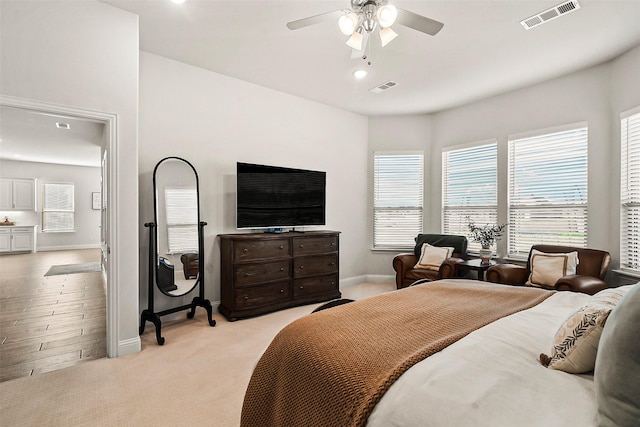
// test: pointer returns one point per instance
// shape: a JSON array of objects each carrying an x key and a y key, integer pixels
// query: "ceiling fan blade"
[
  {"x": 316, "y": 19},
  {"x": 418, "y": 22}
]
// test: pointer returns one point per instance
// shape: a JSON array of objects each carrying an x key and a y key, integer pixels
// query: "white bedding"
[{"x": 493, "y": 377}]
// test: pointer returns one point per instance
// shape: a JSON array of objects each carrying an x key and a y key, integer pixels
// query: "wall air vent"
[
  {"x": 384, "y": 86},
  {"x": 549, "y": 14}
]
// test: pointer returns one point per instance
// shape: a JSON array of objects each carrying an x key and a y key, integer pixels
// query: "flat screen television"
[{"x": 275, "y": 197}]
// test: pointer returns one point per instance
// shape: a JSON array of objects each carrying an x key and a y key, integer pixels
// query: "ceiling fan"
[{"x": 365, "y": 16}]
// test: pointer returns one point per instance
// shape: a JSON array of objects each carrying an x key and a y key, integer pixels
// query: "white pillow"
[
  {"x": 431, "y": 257},
  {"x": 547, "y": 268},
  {"x": 576, "y": 343}
]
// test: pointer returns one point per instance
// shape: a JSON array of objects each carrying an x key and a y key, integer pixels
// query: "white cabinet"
[
  {"x": 17, "y": 239},
  {"x": 5, "y": 240},
  {"x": 17, "y": 194}
]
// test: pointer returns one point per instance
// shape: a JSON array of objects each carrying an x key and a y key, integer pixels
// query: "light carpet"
[{"x": 198, "y": 377}]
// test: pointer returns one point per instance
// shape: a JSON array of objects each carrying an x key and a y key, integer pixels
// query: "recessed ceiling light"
[
  {"x": 360, "y": 74},
  {"x": 60, "y": 125}
]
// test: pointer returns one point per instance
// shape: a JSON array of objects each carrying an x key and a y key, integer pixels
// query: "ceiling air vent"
[
  {"x": 549, "y": 14},
  {"x": 384, "y": 86}
]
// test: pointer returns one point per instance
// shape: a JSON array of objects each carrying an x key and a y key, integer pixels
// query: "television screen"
[{"x": 270, "y": 196}]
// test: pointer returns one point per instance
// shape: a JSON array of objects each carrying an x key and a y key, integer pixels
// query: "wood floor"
[{"x": 52, "y": 322}]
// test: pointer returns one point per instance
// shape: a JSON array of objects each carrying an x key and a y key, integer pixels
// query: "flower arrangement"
[{"x": 486, "y": 235}]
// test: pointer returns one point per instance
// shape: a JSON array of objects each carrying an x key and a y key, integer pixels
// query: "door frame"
[{"x": 110, "y": 120}]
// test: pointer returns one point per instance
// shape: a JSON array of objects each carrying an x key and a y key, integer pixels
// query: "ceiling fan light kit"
[
  {"x": 348, "y": 23},
  {"x": 355, "y": 41},
  {"x": 365, "y": 16}
]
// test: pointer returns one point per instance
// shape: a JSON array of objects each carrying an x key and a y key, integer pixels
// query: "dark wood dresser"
[{"x": 264, "y": 272}]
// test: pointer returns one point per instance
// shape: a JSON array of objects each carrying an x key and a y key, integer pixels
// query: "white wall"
[
  {"x": 85, "y": 55},
  {"x": 596, "y": 95},
  {"x": 395, "y": 133},
  {"x": 87, "y": 221},
  {"x": 214, "y": 121}
]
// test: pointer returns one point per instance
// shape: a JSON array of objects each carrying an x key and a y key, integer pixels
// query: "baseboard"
[
  {"x": 67, "y": 248},
  {"x": 356, "y": 280},
  {"x": 129, "y": 346},
  {"x": 377, "y": 278}
]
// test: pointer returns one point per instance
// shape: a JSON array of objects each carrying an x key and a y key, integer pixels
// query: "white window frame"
[
  {"x": 630, "y": 190},
  {"x": 63, "y": 207},
  {"x": 181, "y": 210},
  {"x": 398, "y": 199},
  {"x": 560, "y": 207},
  {"x": 469, "y": 187}
]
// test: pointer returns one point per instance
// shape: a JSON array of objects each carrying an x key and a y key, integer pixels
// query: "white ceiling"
[
  {"x": 481, "y": 51},
  {"x": 31, "y": 136}
]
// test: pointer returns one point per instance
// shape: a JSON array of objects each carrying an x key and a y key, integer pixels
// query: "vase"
[{"x": 485, "y": 255}]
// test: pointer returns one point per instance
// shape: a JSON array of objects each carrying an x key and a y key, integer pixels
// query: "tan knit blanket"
[{"x": 330, "y": 368}]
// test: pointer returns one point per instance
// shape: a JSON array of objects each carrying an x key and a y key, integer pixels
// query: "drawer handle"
[
  {"x": 282, "y": 291},
  {"x": 332, "y": 264},
  {"x": 246, "y": 298},
  {"x": 281, "y": 268},
  {"x": 246, "y": 274},
  {"x": 245, "y": 250},
  {"x": 301, "y": 246},
  {"x": 333, "y": 283},
  {"x": 333, "y": 244},
  {"x": 302, "y": 267}
]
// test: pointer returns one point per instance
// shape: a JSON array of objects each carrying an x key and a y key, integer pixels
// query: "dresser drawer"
[
  {"x": 313, "y": 266},
  {"x": 262, "y": 295},
  {"x": 314, "y": 245},
  {"x": 315, "y": 285},
  {"x": 249, "y": 250},
  {"x": 249, "y": 274}
]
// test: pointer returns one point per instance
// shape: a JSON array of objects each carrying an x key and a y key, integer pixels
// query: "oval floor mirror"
[{"x": 175, "y": 241}]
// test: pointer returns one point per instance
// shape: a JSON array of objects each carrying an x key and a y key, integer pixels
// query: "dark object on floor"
[
  {"x": 333, "y": 303},
  {"x": 166, "y": 278},
  {"x": 190, "y": 264}
]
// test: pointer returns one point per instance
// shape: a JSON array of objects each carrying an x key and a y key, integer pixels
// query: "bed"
[{"x": 451, "y": 352}]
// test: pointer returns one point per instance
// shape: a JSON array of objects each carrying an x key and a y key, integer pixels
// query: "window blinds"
[
  {"x": 469, "y": 189},
  {"x": 182, "y": 219},
  {"x": 57, "y": 207},
  {"x": 398, "y": 195},
  {"x": 630, "y": 192},
  {"x": 548, "y": 190}
]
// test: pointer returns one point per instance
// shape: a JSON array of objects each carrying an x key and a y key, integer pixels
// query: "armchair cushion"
[
  {"x": 547, "y": 268},
  {"x": 432, "y": 257}
]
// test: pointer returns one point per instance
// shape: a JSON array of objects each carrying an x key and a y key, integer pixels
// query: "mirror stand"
[{"x": 199, "y": 301}]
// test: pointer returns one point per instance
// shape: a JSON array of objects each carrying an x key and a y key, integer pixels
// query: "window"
[
  {"x": 182, "y": 219},
  {"x": 548, "y": 190},
  {"x": 397, "y": 206},
  {"x": 630, "y": 190},
  {"x": 57, "y": 207},
  {"x": 469, "y": 188}
]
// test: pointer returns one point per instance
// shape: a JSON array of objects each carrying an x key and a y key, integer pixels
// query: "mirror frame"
[{"x": 198, "y": 225}]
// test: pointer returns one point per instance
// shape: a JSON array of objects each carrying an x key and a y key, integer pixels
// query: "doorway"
[{"x": 108, "y": 190}]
